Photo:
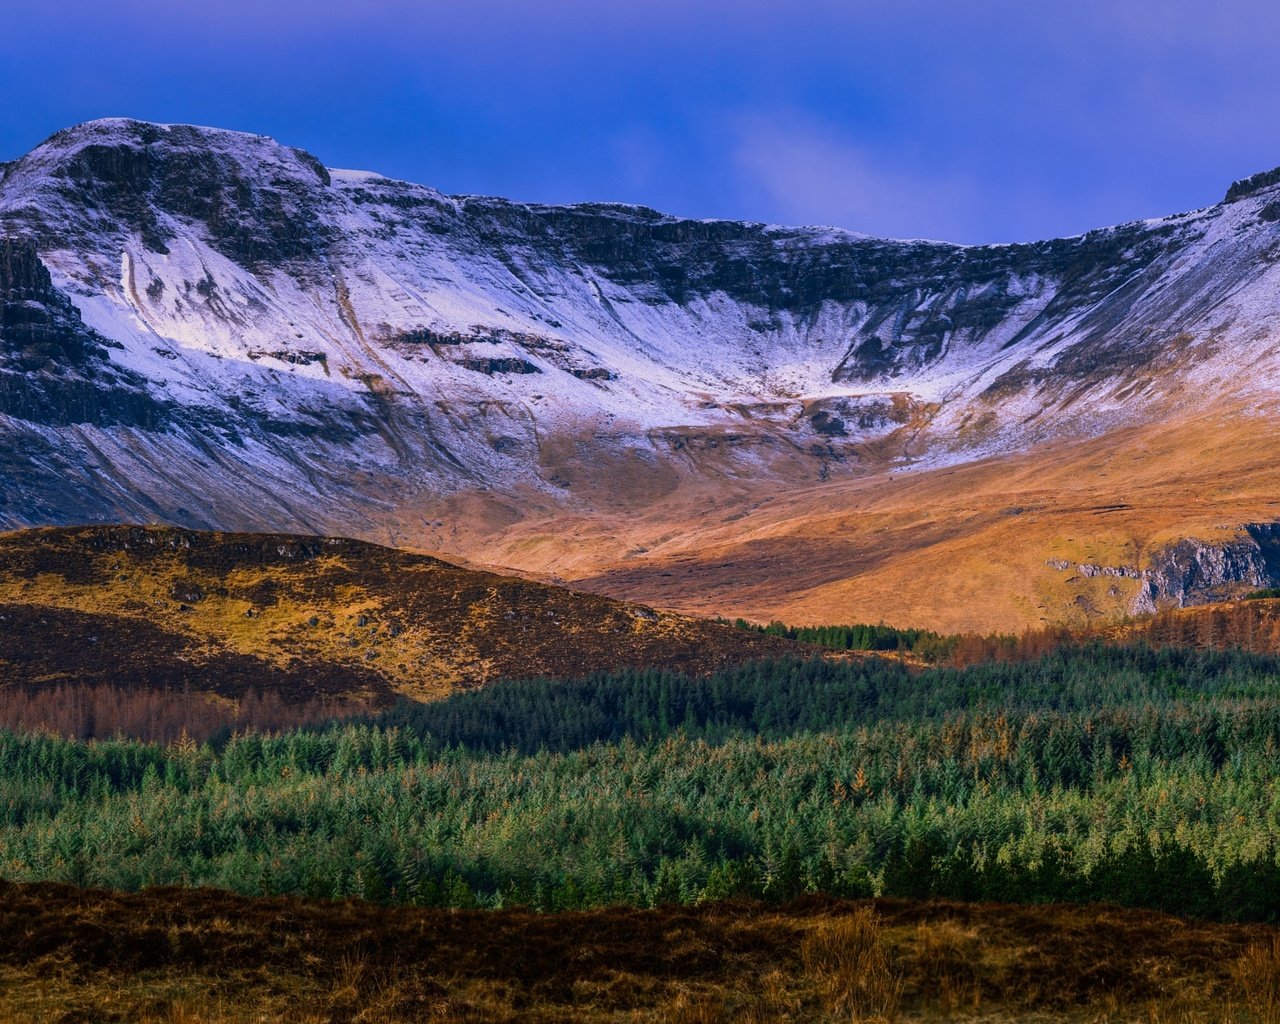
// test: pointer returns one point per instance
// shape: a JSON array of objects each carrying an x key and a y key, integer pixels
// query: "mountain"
[{"x": 214, "y": 330}]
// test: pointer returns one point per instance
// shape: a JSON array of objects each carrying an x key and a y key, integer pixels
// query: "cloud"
[
  {"x": 807, "y": 171},
  {"x": 811, "y": 173}
]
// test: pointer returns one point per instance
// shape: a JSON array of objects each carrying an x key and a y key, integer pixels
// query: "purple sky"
[{"x": 981, "y": 121}]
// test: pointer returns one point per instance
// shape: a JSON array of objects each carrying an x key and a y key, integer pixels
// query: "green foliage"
[
  {"x": 860, "y": 637},
  {"x": 1266, "y": 594},
  {"x": 1129, "y": 775},
  {"x": 775, "y": 699}
]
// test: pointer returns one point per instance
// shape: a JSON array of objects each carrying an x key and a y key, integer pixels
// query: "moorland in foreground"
[{"x": 204, "y": 957}]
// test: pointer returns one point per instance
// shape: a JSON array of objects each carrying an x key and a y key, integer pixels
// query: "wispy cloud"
[{"x": 811, "y": 173}]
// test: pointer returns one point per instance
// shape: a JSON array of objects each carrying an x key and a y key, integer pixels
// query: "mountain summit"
[{"x": 212, "y": 329}]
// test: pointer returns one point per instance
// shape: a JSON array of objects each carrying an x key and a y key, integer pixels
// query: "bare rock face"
[
  {"x": 1246, "y": 187},
  {"x": 1192, "y": 572},
  {"x": 53, "y": 369},
  {"x": 40, "y": 329},
  {"x": 256, "y": 213}
]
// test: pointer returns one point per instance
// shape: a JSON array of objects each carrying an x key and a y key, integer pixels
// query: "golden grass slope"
[
  {"x": 955, "y": 549},
  {"x": 231, "y": 612}
]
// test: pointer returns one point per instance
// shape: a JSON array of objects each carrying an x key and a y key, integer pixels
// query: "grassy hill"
[{"x": 310, "y": 618}]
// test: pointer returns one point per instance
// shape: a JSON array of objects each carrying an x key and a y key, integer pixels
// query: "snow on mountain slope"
[{"x": 264, "y": 342}]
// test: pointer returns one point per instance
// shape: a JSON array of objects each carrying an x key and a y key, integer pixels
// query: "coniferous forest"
[{"x": 1146, "y": 777}]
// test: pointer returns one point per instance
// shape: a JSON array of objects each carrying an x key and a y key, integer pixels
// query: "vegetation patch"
[
  {"x": 310, "y": 617},
  {"x": 1130, "y": 775},
  {"x": 201, "y": 956}
]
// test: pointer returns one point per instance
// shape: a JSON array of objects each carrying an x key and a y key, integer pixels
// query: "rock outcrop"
[
  {"x": 53, "y": 369},
  {"x": 1192, "y": 572}
]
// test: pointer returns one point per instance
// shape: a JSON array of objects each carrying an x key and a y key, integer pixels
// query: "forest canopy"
[{"x": 1125, "y": 774}]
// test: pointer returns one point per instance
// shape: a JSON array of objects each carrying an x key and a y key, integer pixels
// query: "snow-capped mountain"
[{"x": 211, "y": 328}]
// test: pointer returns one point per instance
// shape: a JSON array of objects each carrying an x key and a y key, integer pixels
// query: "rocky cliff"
[{"x": 1192, "y": 572}]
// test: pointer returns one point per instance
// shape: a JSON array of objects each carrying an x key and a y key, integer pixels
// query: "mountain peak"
[
  {"x": 162, "y": 141},
  {"x": 132, "y": 129},
  {"x": 99, "y": 183}
]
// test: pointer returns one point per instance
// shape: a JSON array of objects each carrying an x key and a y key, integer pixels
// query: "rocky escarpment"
[
  {"x": 53, "y": 369},
  {"x": 876, "y": 309},
  {"x": 1254, "y": 183},
  {"x": 40, "y": 329},
  {"x": 1194, "y": 572},
  {"x": 238, "y": 239},
  {"x": 907, "y": 303}
]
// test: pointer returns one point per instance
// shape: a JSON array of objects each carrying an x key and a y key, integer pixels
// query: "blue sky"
[{"x": 982, "y": 121}]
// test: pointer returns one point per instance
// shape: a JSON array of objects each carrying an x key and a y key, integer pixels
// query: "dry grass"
[
  {"x": 957, "y": 549},
  {"x": 1257, "y": 973},
  {"x": 949, "y": 957},
  {"x": 847, "y": 958},
  {"x": 170, "y": 956}
]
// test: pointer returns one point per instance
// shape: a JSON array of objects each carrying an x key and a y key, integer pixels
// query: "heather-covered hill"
[{"x": 310, "y": 618}]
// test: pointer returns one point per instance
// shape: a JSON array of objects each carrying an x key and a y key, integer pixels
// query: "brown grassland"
[
  {"x": 197, "y": 957},
  {"x": 956, "y": 549}
]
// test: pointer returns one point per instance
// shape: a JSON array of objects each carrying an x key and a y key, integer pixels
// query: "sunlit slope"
[
  {"x": 1072, "y": 534},
  {"x": 226, "y": 613}
]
